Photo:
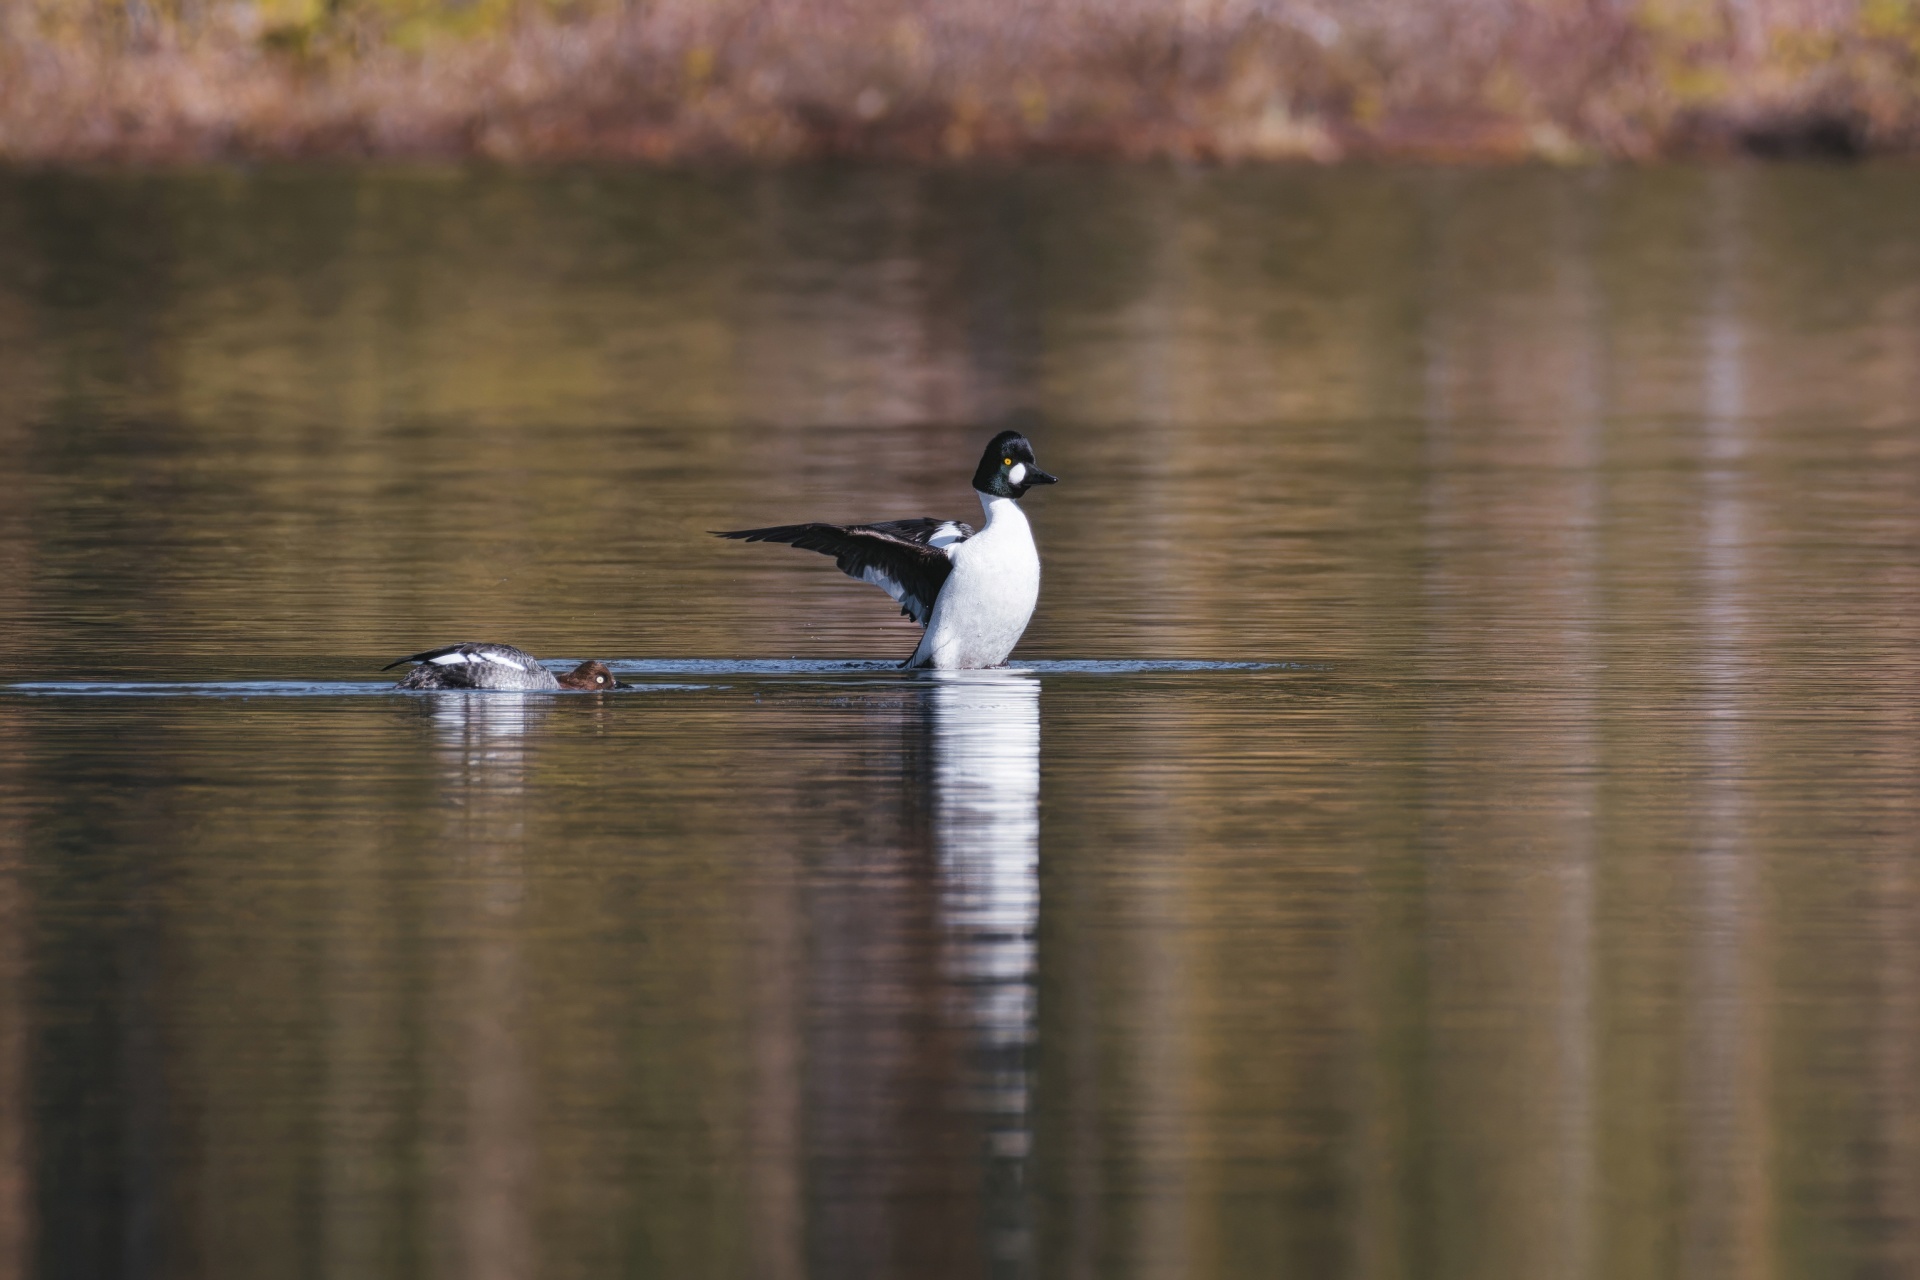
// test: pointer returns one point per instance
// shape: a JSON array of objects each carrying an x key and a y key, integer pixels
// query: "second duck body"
[{"x": 498, "y": 667}]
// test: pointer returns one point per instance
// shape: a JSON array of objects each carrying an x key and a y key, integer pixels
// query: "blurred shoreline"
[{"x": 676, "y": 81}]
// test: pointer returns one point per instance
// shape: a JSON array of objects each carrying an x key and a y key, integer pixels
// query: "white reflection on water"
[
  {"x": 986, "y": 775},
  {"x": 1727, "y": 1228},
  {"x": 483, "y": 1187},
  {"x": 485, "y": 735}
]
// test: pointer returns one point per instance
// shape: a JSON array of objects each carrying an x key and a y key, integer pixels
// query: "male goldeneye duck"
[
  {"x": 972, "y": 591},
  {"x": 496, "y": 666}
]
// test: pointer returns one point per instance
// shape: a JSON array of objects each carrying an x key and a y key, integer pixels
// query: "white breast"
[{"x": 988, "y": 598}]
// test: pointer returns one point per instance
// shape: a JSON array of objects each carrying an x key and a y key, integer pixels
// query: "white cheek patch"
[{"x": 1017, "y": 473}]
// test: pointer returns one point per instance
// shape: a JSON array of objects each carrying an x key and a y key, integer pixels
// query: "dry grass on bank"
[{"x": 669, "y": 80}]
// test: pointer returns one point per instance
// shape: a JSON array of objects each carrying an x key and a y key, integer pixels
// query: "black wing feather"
[
  {"x": 429, "y": 655},
  {"x": 898, "y": 556}
]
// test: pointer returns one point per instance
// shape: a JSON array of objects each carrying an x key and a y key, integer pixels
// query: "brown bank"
[{"x": 165, "y": 81}]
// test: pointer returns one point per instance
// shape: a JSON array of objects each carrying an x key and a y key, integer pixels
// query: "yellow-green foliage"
[
  {"x": 1895, "y": 23},
  {"x": 410, "y": 23},
  {"x": 287, "y": 25}
]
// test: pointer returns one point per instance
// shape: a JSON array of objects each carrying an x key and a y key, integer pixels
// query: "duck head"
[
  {"x": 589, "y": 675},
  {"x": 1007, "y": 469}
]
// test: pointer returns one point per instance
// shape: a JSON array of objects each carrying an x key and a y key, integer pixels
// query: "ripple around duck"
[
  {"x": 737, "y": 668},
  {"x": 865, "y": 666},
  {"x": 279, "y": 689}
]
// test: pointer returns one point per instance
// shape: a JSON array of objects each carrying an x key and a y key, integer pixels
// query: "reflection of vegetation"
[{"x": 687, "y": 78}]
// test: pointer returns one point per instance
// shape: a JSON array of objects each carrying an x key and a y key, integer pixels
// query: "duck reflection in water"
[
  {"x": 986, "y": 828},
  {"x": 484, "y": 741},
  {"x": 481, "y": 1100},
  {"x": 916, "y": 994}
]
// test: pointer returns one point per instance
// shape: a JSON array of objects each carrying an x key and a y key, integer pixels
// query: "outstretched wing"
[
  {"x": 470, "y": 654},
  {"x": 907, "y": 559}
]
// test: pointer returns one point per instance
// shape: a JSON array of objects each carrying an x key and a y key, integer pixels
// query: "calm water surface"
[{"x": 1507, "y": 865}]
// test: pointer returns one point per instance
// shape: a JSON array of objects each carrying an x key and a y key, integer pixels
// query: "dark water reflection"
[{"x": 1550, "y": 908}]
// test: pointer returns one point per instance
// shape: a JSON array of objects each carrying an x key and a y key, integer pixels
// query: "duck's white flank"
[{"x": 989, "y": 596}]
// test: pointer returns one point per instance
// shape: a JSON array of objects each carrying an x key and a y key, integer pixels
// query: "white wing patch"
[
  {"x": 491, "y": 657},
  {"x": 882, "y": 579},
  {"x": 886, "y": 582},
  {"x": 946, "y": 535}
]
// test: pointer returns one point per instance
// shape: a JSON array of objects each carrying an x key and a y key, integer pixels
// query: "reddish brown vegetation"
[{"x": 788, "y": 79}]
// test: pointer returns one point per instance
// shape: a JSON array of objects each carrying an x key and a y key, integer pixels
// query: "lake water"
[{"x": 1454, "y": 813}]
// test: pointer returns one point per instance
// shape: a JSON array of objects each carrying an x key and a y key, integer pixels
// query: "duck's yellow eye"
[{"x": 1006, "y": 462}]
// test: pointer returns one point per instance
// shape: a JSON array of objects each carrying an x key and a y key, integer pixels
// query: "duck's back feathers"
[
  {"x": 476, "y": 666},
  {"x": 907, "y": 559},
  {"x": 459, "y": 655}
]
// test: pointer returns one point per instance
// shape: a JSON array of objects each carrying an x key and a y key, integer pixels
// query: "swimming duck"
[
  {"x": 496, "y": 666},
  {"x": 973, "y": 591}
]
